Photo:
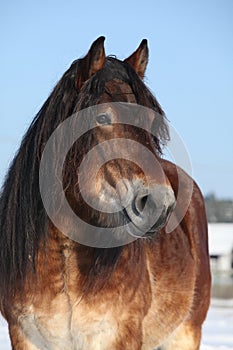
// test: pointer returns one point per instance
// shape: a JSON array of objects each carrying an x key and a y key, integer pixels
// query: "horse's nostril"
[
  {"x": 139, "y": 203},
  {"x": 149, "y": 209},
  {"x": 143, "y": 202}
]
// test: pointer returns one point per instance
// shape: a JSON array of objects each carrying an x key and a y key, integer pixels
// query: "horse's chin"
[{"x": 134, "y": 231}]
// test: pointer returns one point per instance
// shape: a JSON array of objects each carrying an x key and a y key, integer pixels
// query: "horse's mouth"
[{"x": 144, "y": 230}]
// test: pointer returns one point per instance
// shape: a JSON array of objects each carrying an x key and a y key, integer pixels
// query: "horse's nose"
[{"x": 149, "y": 208}]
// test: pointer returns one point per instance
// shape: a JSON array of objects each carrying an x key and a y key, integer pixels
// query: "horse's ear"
[
  {"x": 92, "y": 62},
  {"x": 139, "y": 59}
]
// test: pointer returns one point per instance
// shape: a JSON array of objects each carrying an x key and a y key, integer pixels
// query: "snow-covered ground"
[
  {"x": 218, "y": 328},
  {"x": 217, "y": 331},
  {"x": 4, "y": 338}
]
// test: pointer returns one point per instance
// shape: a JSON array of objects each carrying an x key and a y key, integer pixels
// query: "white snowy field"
[
  {"x": 218, "y": 327},
  {"x": 217, "y": 330}
]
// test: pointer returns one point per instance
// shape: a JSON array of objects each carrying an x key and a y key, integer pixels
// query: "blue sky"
[{"x": 190, "y": 69}]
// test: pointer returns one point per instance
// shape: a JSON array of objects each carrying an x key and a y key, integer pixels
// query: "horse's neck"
[{"x": 87, "y": 270}]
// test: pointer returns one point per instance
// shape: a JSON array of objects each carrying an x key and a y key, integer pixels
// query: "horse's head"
[{"x": 119, "y": 179}]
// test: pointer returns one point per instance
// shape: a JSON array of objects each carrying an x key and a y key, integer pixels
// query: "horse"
[{"x": 137, "y": 285}]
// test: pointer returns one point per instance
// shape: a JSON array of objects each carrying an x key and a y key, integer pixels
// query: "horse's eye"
[{"x": 103, "y": 119}]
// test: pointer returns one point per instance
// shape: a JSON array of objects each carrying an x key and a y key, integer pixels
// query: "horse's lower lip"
[{"x": 141, "y": 232}]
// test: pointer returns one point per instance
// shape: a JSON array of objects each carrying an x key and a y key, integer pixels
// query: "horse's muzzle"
[{"x": 148, "y": 209}]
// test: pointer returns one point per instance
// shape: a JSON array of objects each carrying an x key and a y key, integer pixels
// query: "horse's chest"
[
  {"x": 70, "y": 328},
  {"x": 94, "y": 331}
]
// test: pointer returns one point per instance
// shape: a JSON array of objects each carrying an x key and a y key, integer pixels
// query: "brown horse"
[{"x": 135, "y": 286}]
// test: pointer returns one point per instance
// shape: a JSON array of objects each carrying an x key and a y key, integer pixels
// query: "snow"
[
  {"x": 217, "y": 330},
  {"x": 4, "y": 338}
]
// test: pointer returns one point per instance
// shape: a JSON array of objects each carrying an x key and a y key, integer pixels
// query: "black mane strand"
[{"x": 23, "y": 220}]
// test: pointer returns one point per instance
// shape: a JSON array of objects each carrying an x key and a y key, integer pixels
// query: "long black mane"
[{"x": 23, "y": 220}]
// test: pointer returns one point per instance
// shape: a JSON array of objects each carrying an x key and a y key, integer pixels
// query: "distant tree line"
[{"x": 218, "y": 210}]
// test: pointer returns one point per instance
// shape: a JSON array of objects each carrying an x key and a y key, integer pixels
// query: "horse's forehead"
[{"x": 118, "y": 91}]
